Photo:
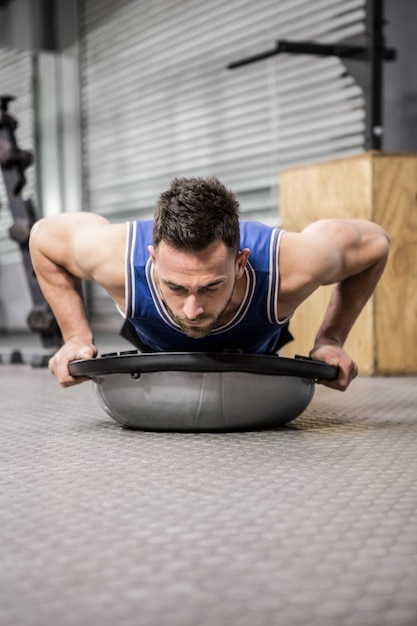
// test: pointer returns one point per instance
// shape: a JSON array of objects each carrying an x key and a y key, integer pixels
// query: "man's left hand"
[{"x": 334, "y": 355}]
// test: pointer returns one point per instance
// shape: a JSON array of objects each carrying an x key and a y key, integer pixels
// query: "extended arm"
[
  {"x": 65, "y": 250},
  {"x": 352, "y": 255}
]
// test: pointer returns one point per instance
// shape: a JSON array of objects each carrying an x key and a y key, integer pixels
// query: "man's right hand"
[{"x": 74, "y": 349}]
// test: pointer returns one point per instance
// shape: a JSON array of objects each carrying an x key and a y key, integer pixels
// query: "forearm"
[
  {"x": 353, "y": 255},
  {"x": 347, "y": 300},
  {"x": 65, "y": 297},
  {"x": 63, "y": 292}
]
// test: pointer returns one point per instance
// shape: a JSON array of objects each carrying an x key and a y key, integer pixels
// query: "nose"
[{"x": 192, "y": 307}]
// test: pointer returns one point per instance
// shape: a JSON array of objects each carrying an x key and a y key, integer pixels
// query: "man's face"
[{"x": 198, "y": 288}]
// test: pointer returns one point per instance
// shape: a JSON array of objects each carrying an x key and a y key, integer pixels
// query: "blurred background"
[{"x": 115, "y": 98}]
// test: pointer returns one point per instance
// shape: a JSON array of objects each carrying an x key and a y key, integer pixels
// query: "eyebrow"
[{"x": 214, "y": 283}]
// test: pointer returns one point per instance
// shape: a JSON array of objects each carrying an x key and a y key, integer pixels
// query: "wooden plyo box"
[{"x": 381, "y": 187}]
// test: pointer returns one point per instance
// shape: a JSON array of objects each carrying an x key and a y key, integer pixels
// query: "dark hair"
[{"x": 194, "y": 212}]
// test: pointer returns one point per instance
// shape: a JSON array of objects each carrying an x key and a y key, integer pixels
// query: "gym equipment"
[
  {"x": 13, "y": 163},
  {"x": 202, "y": 392},
  {"x": 363, "y": 60}
]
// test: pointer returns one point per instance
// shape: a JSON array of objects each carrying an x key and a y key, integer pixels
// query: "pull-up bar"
[{"x": 373, "y": 54}]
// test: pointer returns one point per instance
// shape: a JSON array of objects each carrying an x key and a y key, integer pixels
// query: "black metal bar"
[
  {"x": 320, "y": 49},
  {"x": 375, "y": 24},
  {"x": 342, "y": 50},
  {"x": 374, "y": 53},
  {"x": 303, "y": 47},
  {"x": 252, "y": 59}
]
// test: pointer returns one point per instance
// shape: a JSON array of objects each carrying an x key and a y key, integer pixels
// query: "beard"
[{"x": 198, "y": 332}]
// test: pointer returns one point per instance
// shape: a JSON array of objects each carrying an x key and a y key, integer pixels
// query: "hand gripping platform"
[{"x": 202, "y": 392}]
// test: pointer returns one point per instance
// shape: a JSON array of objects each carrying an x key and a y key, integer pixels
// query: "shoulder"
[
  {"x": 99, "y": 249},
  {"x": 249, "y": 228},
  {"x": 327, "y": 251},
  {"x": 83, "y": 243},
  {"x": 139, "y": 232},
  {"x": 258, "y": 237},
  {"x": 69, "y": 229}
]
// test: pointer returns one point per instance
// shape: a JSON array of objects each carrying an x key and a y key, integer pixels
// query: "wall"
[
  {"x": 27, "y": 24},
  {"x": 400, "y": 94},
  {"x": 50, "y": 25},
  {"x": 42, "y": 35}
]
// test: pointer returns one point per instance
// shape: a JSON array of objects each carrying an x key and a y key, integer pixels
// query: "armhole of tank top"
[
  {"x": 130, "y": 271},
  {"x": 273, "y": 286}
]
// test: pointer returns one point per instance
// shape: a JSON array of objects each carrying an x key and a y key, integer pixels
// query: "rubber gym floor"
[{"x": 313, "y": 524}]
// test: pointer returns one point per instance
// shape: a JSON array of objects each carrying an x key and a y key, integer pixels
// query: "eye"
[{"x": 209, "y": 289}]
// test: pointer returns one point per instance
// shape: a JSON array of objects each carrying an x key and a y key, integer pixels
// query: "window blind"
[{"x": 159, "y": 101}]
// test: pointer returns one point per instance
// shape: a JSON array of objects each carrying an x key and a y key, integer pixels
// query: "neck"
[{"x": 236, "y": 300}]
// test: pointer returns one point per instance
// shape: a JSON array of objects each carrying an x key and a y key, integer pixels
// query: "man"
[{"x": 197, "y": 279}]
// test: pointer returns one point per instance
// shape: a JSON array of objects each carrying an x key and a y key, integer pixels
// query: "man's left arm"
[{"x": 363, "y": 248}]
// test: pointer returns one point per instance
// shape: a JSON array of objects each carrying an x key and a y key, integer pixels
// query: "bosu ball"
[{"x": 202, "y": 392}]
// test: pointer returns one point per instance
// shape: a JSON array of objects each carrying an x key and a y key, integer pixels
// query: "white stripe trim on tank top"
[
  {"x": 273, "y": 286},
  {"x": 130, "y": 270},
  {"x": 245, "y": 304}
]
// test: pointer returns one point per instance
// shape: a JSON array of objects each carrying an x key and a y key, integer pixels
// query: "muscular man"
[{"x": 197, "y": 279}]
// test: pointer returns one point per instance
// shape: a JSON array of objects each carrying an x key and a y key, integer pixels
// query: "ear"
[
  {"x": 152, "y": 254},
  {"x": 241, "y": 260}
]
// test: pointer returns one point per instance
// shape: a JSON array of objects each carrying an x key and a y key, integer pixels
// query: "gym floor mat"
[{"x": 311, "y": 524}]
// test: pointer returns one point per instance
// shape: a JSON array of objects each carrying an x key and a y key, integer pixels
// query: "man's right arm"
[{"x": 56, "y": 248}]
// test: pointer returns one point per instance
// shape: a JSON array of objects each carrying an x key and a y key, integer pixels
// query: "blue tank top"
[{"x": 255, "y": 328}]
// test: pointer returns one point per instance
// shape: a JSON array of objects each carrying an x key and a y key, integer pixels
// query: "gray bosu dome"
[{"x": 197, "y": 392}]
